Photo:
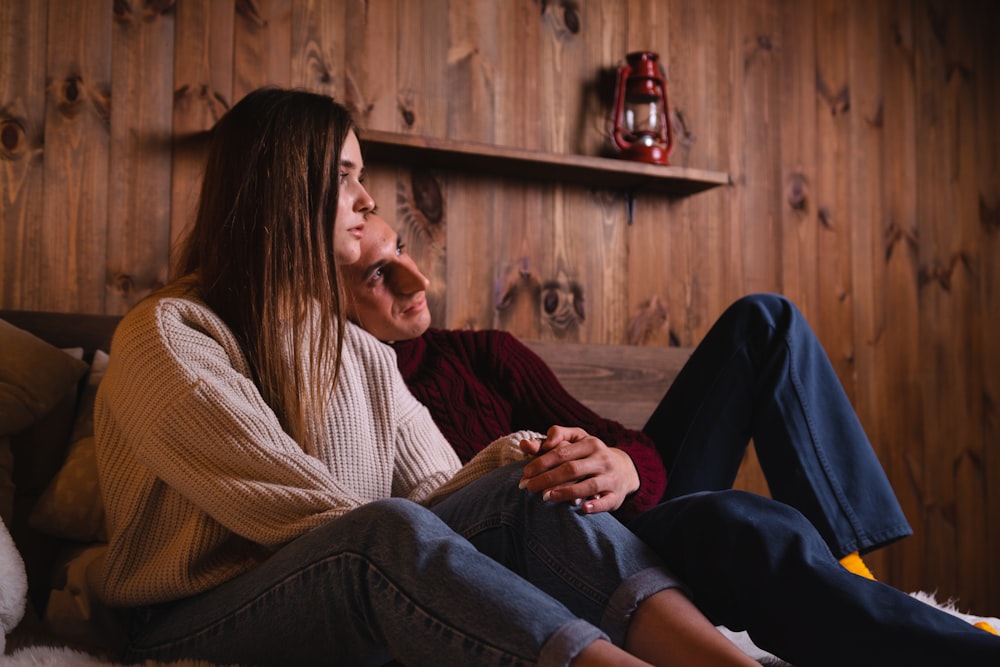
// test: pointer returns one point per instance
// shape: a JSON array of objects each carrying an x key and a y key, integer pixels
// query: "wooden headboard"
[
  {"x": 91, "y": 332},
  {"x": 620, "y": 382}
]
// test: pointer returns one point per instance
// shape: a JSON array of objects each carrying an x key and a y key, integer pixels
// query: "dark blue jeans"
[
  {"x": 769, "y": 566},
  {"x": 761, "y": 373},
  {"x": 753, "y": 563}
]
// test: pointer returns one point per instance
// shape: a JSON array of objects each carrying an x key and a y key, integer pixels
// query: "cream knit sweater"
[{"x": 199, "y": 480}]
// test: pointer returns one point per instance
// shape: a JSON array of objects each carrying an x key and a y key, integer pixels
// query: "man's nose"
[{"x": 410, "y": 279}]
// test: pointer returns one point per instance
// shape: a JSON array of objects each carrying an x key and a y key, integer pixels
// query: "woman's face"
[{"x": 353, "y": 203}]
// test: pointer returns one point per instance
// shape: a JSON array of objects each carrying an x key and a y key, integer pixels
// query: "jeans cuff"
[
  {"x": 567, "y": 642},
  {"x": 627, "y": 597}
]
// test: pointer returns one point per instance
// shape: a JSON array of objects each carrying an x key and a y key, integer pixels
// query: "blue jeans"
[
  {"x": 755, "y": 564},
  {"x": 761, "y": 373},
  {"x": 392, "y": 579}
]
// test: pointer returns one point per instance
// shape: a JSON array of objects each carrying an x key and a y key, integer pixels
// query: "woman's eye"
[{"x": 400, "y": 247}]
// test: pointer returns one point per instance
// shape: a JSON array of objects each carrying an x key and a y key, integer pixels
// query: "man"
[{"x": 759, "y": 373}]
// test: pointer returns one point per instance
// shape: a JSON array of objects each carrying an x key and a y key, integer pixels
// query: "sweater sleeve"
[
  {"x": 500, "y": 452},
  {"x": 540, "y": 401}
]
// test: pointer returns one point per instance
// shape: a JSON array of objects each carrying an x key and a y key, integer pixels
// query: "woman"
[{"x": 264, "y": 466}]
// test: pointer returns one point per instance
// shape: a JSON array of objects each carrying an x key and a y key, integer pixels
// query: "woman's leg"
[
  {"x": 756, "y": 564},
  {"x": 761, "y": 373},
  {"x": 591, "y": 563},
  {"x": 387, "y": 580}
]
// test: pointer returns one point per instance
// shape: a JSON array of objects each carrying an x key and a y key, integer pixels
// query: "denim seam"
[{"x": 860, "y": 535}]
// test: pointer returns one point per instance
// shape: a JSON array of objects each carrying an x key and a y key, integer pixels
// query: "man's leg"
[
  {"x": 755, "y": 564},
  {"x": 761, "y": 373}
]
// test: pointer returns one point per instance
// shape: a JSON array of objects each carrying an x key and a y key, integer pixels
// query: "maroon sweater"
[{"x": 480, "y": 385}]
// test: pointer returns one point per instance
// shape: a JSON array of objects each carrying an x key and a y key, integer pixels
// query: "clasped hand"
[{"x": 573, "y": 466}]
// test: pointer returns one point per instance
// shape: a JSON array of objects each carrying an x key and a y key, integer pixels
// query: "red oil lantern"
[{"x": 641, "y": 127}]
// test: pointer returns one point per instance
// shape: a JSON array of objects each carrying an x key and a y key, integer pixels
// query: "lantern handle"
[{"x": 616, "y": 123}]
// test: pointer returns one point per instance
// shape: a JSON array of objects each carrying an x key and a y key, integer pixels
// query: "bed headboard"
[
  {"x": 91, "y": 332},
  {"x": 620, "y": 382}
]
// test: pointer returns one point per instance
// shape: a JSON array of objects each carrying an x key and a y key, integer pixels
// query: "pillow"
[
  {"x": 39, "y": 450},
  {"x": 34, "y": 376},
  {"x": 71, "y": 505}
]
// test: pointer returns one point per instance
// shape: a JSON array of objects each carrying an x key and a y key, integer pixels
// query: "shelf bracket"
[{"x": 629, "y": 206}]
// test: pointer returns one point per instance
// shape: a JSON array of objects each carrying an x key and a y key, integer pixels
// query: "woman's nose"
[{"x": 364, "y": 203}]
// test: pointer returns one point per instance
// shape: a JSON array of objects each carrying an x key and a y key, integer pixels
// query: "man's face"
[{"x": 387, "y": 293}]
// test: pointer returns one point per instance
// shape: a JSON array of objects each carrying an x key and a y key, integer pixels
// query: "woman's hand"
[{"x": 573, "y": 466}]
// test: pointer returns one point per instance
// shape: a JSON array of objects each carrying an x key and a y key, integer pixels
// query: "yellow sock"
[
  {"x": 853, "y": 563},
  {"x": 983, "y": 625}
]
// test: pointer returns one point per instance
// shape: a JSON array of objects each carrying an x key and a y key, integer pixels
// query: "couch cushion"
[
  {"x": 71, "y": 506},
  {"x": 34, "y": 376}
]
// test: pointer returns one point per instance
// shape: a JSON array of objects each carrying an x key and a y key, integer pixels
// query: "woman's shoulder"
[
  {"x": 173, "y": 321},
  {"x": 366, "y": 348}
]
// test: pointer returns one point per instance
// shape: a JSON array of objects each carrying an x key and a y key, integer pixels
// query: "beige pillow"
[
  {"x": 71, "y": 505},
  {"x": 34, "y": 376}
]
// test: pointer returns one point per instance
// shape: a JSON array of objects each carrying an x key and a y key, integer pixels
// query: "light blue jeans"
[{"x": 396, "y": 580}]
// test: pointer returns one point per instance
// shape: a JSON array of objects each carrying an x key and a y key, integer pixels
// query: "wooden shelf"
[{"x": 631, "y": 177}]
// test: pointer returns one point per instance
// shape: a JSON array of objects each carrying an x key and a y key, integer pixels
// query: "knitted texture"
[
  {"x": 481, "y": 385},
  {"x": 200, "y": 481}
]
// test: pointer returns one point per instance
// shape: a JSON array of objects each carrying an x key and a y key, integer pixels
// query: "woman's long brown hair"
[{"x": 262, "y": 245}]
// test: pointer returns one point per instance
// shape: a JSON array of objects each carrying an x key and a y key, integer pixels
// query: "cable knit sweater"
[
  {"x": 479, "y": 385},
  {"x": 199, "y": 479}
]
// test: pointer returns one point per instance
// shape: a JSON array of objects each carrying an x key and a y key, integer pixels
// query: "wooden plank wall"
[{"x": 861, "y": 138}]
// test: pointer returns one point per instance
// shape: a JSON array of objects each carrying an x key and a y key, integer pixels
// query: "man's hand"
[{"x": 573, "y": 466}]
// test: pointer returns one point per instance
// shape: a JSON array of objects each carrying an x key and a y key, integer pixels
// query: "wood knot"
[
  {"x": 427, "y": 197},
  {"x": 11, "y": 138},
  {"x": 989, "y": 216},
  {"x": 124, "y": 284},
  {"x": 798, "y": 192},
  {"x": 71, "y": 90},
  {"x": 408, "y": 116},
  {"x": 571, "y": 16},
  {"x": 563, "y": 304}
]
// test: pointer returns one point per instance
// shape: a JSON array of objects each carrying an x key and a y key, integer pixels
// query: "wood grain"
[
  {"x": 138, "y": 229},
  {"x": 23, "y": 45},
  {"x": 861, "y": 138}
]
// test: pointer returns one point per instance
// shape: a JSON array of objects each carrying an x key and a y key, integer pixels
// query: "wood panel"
[
  {"x": 77, "y": 123},
  {"x": 138, "y": 229},
  {"x": 987, "y": 169},
  {"x": 203, "y": 92},
  {"x": 898, "y": 362},
  {"x": 861, "y": 139},
  {"x": 23, "y": 43}
]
